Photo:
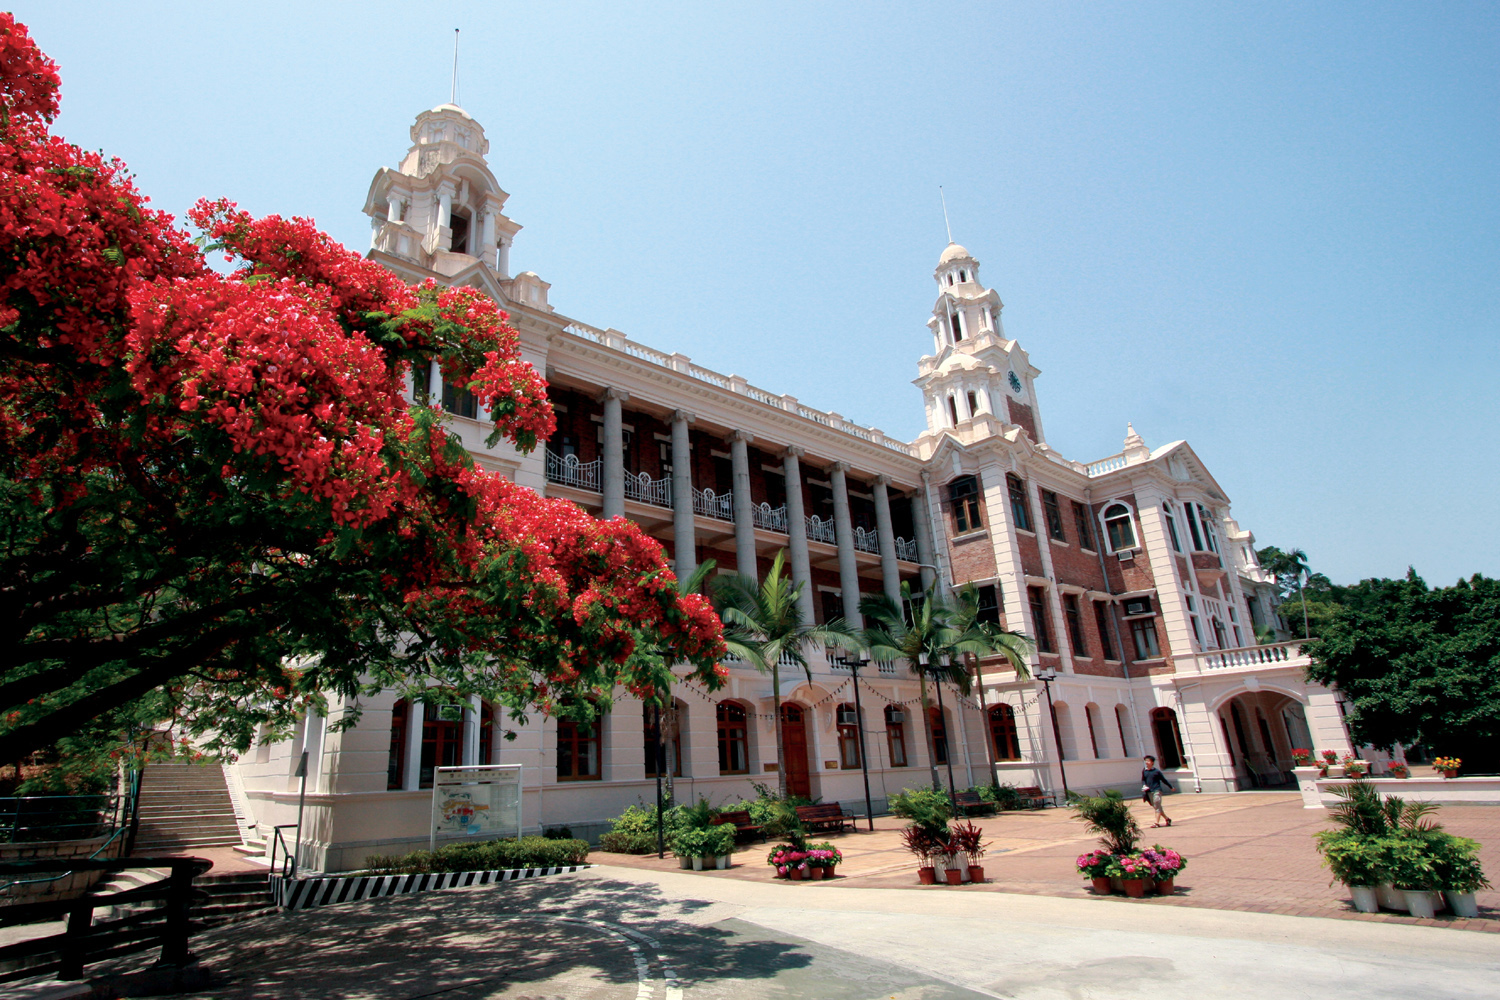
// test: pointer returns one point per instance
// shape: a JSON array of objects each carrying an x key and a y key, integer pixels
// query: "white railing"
[
  {"x": 729, "y": 383},
  {"x": 656, "y": 492},
  {"x": 1250, "y": 656},
  {"x": 1104, "y": 465},
  {"x": 768, "y": 517},
  {"x": 707, "y": 503},
  {"x": 819, "y": 530},
  {"x": 906, "y": 549},
  {"x": 569, "y": 471},
  {"x": 867, "y": 541},
  {"x": 887, "y": 668}
]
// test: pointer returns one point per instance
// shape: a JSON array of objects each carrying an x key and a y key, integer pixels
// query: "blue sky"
[{"x": 1270, "y": 229}]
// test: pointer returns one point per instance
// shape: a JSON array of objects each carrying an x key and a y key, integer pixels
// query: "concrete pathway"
[{"x": 630, "y": 933}]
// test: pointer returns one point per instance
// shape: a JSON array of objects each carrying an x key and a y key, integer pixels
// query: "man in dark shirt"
[{"x": 1152, "y": 782}]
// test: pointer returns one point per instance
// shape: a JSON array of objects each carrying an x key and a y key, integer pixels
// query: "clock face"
[{"x": 1015, "y": 384}]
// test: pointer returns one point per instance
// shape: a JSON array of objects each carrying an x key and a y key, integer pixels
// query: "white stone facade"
[{"x": 1146, "y": 590}]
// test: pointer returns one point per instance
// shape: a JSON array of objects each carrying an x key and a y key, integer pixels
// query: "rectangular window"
[
  {"x": 1209, "y": 537},
  {"x": 895, "y": 735},
  {"x": 1039, "y": 619},
  {"x": 1220, "y": 639},
  {"x": 939, "y": 735},
  {"x": 1081, "y": 522},
  {"x": 734, "y": 740},
  {"x": 1054, "y": 515},
  {"x": 1172, "y": 532},
  {"x": 652, "y": 734},
  {"x": 958, "y": 326},
  {"x": 1238, "y": 642},
  {"x": 953, "y": 410},
  {"x": 460, "y": 402},
  {"x": 1103, "y": 623},
  {"x": 1197, "y": 633},
  {"x": 1143, "y": 630},
  {"x": 848, "y": 737},
  {"x": 577, "y": 750},
  {"x": 1075, "y": 625},
  {"x": 833, "y": 605},
  {"x": 964, "y": 494},
  {"x": 1020, "y": 510},
  {"x": 1193, "y": 527},
  {"x": 989, "y": 605}
]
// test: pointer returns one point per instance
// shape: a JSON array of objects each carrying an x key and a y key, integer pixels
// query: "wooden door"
[{"x": 794, "y": 749}]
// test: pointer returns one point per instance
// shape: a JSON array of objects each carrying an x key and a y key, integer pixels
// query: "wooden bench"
[
  {"x": 1032, "y": 797},
  {"x": 825, "y": 817},
  {"x": 744, "y": 826},
  {"x": 971, "y": 802}
]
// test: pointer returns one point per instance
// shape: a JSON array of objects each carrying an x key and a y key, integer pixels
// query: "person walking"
[{"x": 1152, "y": 782}]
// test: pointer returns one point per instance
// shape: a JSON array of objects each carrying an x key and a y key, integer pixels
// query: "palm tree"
[
  {"x": 767, "y": 628},
  {"x": 936, "y": 636},
  {"x": 1296, "y": 564}
]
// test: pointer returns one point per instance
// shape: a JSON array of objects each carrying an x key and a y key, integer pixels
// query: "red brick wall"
[
  {"x": 973, "y": 558},
  {"x": 1021, "y": 414},
  {"x": 1031, "y": 553}
]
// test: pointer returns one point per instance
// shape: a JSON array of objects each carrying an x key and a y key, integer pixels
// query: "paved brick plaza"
[{"x": 1248, "y": 851}]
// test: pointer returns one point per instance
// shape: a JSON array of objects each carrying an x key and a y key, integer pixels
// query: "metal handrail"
[{"x": 289, "y": 857}]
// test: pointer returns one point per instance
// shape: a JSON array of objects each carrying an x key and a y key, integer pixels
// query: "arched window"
[
  {"x": 939, "y": 734},
  {"x": 963, "y": 492},
  {"x": 895, "y": 735},
  {"x": 395, "y": 768},
  {"x": 672, "y": 749},
  {"x": 578, "y": 750},
  {"x": 1168, "y": 738},
  {"x": 1020, "y": 507},
  {"x": 1128, "y": 748},
  {"x": 1003, "y": 733},
  {"x": 953, "y": 410},
  {"x": 1062, "y": 721},
  {"x": 734, "y": 744},
  {"x": 459, "y": 223},
  {"x": 1096, "y": 733},
  {"x": 848, "y": 723},
  {"x": 1118, "y": 526}
]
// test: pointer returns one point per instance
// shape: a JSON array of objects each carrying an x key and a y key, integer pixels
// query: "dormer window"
[
  {"x": 460, "y": 226},
  {"x": 956, "y": 320}
]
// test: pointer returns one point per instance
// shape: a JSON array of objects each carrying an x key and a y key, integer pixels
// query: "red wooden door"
[{"x": 794, "y": 744}]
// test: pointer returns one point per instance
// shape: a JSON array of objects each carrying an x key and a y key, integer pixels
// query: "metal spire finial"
[
  {"x": 945, "y": 213},
  {"x": 453, "y": 97}
]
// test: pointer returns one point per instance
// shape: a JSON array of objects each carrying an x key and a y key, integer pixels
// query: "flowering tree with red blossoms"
[{"x": 218, "y": 498}]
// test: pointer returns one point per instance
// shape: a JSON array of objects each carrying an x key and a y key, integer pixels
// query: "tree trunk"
[
  {"x": 937, "y": 782},
  {"x": 780, "y": 747}
]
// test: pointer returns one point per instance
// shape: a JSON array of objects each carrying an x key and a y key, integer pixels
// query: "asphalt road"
[{"x": 637, "y": 935}]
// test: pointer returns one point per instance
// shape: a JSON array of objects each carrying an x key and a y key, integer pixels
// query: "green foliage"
[
  {"x": 925, "y": 807},
  {"x": 1109, "y": 816},
  {"x": 634, "y": 830},
  {"x": 490, "y": 855},
  {"x": 1395, "y": 842},
  {"x": 1418, "y": 665},
  {"x": 699, "y": 815},
  {"x": 703, "y": 842},
  {"x": 1005, "y": 796},
  {"x": 775, "y": 814},
  {"x": 1353, "y": 859},
  {"x": 558, "y": 833},
  {"x": 1456, "y": 865}
]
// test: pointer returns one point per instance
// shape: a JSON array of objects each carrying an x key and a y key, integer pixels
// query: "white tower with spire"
[{"x": 976, "y": 382}]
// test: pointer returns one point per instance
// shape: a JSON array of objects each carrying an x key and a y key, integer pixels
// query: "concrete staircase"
[{"x": 184, "y": 806}]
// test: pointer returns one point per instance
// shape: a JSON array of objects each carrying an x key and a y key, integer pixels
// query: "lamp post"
[
  {"x": 660, "y": 758},
  {"x": 1047, "y": 676},
  {"x": 854, "y": 663},
  {"x": 937, "y": 669}
]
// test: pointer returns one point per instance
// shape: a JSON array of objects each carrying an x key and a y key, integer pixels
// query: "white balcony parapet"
[
  {"x": 731, "y": 383},
  {"x": 709, "y": 504},
  {"x": 1252, "y": 656},
  {"x": 867, "y": 541},
  {"x": 656, "y": 492},
  {"x": 906, "y": 549},
  {"x": 768, "y": 517},
  {"x": 1105, "y": 465},
  {"x": 819, "y": 530},
  {"x": 569, "y": 471}
]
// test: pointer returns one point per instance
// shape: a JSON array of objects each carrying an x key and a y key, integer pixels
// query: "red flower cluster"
[{"x": 281, "y": 387}]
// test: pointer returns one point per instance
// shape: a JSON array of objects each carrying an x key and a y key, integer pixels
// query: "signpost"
[{"x": 481, "y": 801}]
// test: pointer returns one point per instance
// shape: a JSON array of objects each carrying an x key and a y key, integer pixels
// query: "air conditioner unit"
[
  {"x": 896, "y": 716},
  {"x": 1138, "y": 606},
  {"x": 847, "y": 717},
  {"x": 1125, "y": 555}
]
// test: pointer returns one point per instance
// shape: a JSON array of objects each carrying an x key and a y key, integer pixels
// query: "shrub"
[
  {"x": 1005, "y": 796},
  {"x": 1109, "y": 816},
  {"x": 1350, "y": 857},
  {"x": 634, "y": 830},
  {"x": 1456, "y": 865},
  {"x": 528, "y": 852},
  {"x": 926, "y": 807},
  {"x": 705, "y": 842}
]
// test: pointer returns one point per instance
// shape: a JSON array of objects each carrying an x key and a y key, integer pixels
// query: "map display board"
[{"x": 481, "y": 802}]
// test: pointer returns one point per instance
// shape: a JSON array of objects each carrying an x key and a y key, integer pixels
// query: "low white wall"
[{"x": 1317, "y": 793}]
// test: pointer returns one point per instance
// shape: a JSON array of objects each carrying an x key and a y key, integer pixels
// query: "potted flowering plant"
[
  {"x": 1398, "y": 770},
  {"x": 1095, "y": 865},
  {"x": 1448, "y": 765},
  {"x": 1132, "y": 870},
  {"x": 789, "y": 862},
  {"x": 822, "y": 859},
  {"x": 1165, "y": 863},
  {"x": 1302, "y": 757},
  {"x": 967, "y": 837},
  {"x": 1330, "y": 759},
  {"x": 1354, "y": 767},
  {"x": 926, "y": 845}
]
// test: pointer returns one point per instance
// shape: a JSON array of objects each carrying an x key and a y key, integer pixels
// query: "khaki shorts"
[{"x": 1156, "y": 800}]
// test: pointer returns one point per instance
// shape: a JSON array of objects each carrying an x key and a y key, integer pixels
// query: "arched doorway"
[
  {"x": 794, "y": 749},
  {"x": 1168, "y": 738},
  {"x": 1260, "y": 730}
]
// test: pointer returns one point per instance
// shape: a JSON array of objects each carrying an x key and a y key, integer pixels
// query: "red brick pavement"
[{"x": 1248, "y": 851}]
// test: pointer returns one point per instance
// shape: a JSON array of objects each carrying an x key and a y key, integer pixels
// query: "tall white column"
[
  {"x": 744, "y": 516},
  {"x": 489, "y": 231},
  {"x": 434, "y": 383},
  {"x": 471, "y": 734},
  {"x": 1063, "y": 634},
  {"x": 796, "y": 530},
  {"x": 890, "y": 574},
  {"x": 412, "y": 772},
  {"x": 843, "y": 534},
  {"x": 684, "y": 539},
  {"x": 502, "y": 264},
  {"x": 921, "y": 517},
  {"x": 614, "y": 453},
  {"x": 393, "y": 209},
  {"x": 445, "y": 209}
]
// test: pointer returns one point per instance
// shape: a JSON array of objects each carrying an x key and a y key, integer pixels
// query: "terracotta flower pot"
[
  {"x": 976, "y": 873},
  {"x": 831, "y": 870},
  {"x": 816, "y": 874},
  {"x": 927, "y": 876},
  {"x": 1164, "y": 886},
  {"x": 797, "y": 874},
  {"x": 1102, "y": 886},
  {"x": 1135, "y": 888},
  {"x": 1450, "y": 772},
  {"x": 955, "y": 876}
]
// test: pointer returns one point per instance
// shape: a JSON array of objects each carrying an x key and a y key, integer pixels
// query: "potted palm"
[
  {"x": 1458, "y": 874},
  {"x": 968, "y": 838},
  {"x": 1354, "y": 862}
]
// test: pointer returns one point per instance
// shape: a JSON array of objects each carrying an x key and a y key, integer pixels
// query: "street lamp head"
[{"x": 1046, "y": 674}]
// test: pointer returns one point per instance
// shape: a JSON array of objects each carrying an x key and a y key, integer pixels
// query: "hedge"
[{"x": 528, "y": 852}]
